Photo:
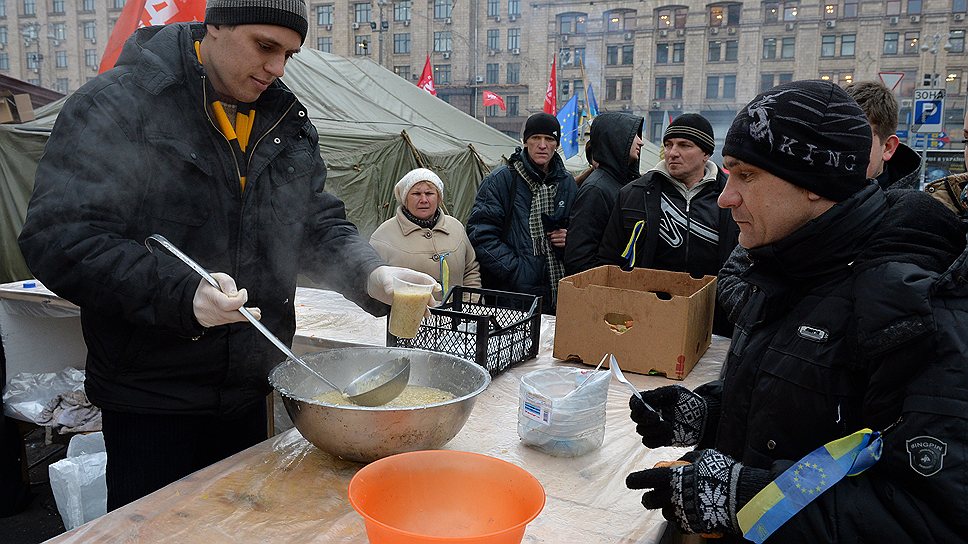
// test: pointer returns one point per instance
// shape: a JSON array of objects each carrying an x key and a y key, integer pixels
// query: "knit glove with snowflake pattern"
[
  {"x": 702, "y": 496},
  {"x": 684, "y": 416}
]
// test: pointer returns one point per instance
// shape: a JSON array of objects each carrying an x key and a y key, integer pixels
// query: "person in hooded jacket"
[
  {"x": 668, "y": 219},
  {"x": 191, "y": 136},
  {"x": 616, "y": 140},
  {"x": 855, "y": 323},
  {"x": 519, "y": 222}
]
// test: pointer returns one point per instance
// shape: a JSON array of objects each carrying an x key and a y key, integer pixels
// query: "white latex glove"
[
  {"x": 213, "y": 307},
  {"x": 380, "y": 283}
]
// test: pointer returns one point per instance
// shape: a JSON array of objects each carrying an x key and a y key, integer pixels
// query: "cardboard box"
[
  {"x": 671, "y": 316},
  {"x": 15, "y": 108}
]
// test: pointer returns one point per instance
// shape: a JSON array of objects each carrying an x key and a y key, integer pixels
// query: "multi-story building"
[{"x": 653, "y": 58}]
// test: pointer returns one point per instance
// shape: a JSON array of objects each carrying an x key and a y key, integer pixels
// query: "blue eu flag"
[
  {"x": 592, "y": 103},
  {"x": 568, "y": 118}
]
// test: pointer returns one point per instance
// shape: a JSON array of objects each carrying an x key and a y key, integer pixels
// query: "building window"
[
  {"x": 33, "y": 60},
  {"x": 828, "y": 46},
  {"x": 61, "y": 85},
  {"x": 573, "y": 23},
  {"x": 90, "y": 30},
  {"x": 361, "y": 46},
  {"x": 848, "y": 43},
  {"x": 513, "y": 104},
  {"x": 58, "y": 31},
  {"x": 579, "y": 55},
  {"x": 660, "y": 88},
  {"x": 669, "y": 18},
  {"x": 3, "y": 9},
  {"x": 514, "y": 73},
  {"x": 890, "y": 43},
  {"x": 830, "y": 11},
  {"x": 442, "y": 41},
  {"x": 579, "y": 90},
  {"x": 628, "y": 54},
  {"x": 90, "y": 58},
  {"x": 850, "y": 9},
  {"x": 30, "y": 7},
  {"x": 712, "y": 87},
  {"x": 87, "y": 5},
  {"x": 662, "y": 53},
  {"x": 675, "y": 88},
  {"x": 911, "y": 40},
  {"x": 324, "y": 15},
  {"x": 788, "y": 48},
  {"x": 768, "y": 81},
  {"x": 57, "y": 7},
  {"x": 514, "y": 7},
  {"x": 618, "y": 89},
  {"x": 723, "y": 51},
  {"x": 724, "y": 14},
  {"x": 402, "y": 70},
  {"x": 769, "y": 48},
  {"x": 771, "y": 12},
  {"x": 619, "y": 20},
  {"x": 514, "y": 38},
  {"x": 959, "y": 6},
  {"x": 914, "y": 7},
  {"x": 679, "y": 52},
  {"x": 117, "y": 4},
  {"x": 362, "y": 12},
  {"x": 957, "y": 40},
  {"x": 892, "y": 7},
  {"x": 491, "y": 75},
  {"x": 790, "y": 10},
  {"x": 611, "y": 55},
  {"x": 721, "y": 86},
  {"x": 4, "y": 61},
  {"x": 493, "y": 39},
  {"x": 442, "y": 74},
  {"x": 324, "y": 44},
  {"x": 493, "y": 8},
  {"x": 60, "y": 59},
  {"x": 3, "y": 35},
  {"x": 443, "y": 9},
  {"x": 401, "y": 43},
  {"x": 401, "y": 11}
]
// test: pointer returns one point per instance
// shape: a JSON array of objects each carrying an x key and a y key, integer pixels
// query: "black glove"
[
  {"x": 684, "y": 415},
  {"x": 701, "y": 497}
]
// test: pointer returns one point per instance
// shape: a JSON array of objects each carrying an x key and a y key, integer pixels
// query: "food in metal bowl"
[{"x": 364, "y": 434}]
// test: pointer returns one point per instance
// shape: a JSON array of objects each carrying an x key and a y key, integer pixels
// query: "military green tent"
[{"x": 373, "y": 126}]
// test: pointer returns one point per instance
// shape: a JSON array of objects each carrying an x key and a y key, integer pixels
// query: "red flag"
[
  {"x": 139, "y": 13},
  {"x": 427, "y": 78},
  {"x": 551, "y": 95},
  {"x": 494, "y": 99}
]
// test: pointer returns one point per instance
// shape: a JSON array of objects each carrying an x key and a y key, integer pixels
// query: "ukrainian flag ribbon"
[
  {"x": 806, "y": 480},
  {"x": 629, "y": 253}
]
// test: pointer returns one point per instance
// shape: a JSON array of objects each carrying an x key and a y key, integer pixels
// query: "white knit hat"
[{"x": 414, "y": 177}]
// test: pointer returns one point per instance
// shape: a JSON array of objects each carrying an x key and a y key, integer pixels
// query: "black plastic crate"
[{"x": 498, "y": 330}]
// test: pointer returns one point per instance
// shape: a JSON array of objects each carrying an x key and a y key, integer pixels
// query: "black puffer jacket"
[
  {"x": 134, "y": 153},
  {"x": 498, "y": 227},
  {"x": 858, "y": 319},
  {"x": 695, "y": 236},
  {"x": 903, "y": 171},
  {"x": 612, "y": 136}
]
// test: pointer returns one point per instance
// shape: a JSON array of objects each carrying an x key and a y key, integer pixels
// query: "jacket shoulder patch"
[{"x": 926, "y": 454}]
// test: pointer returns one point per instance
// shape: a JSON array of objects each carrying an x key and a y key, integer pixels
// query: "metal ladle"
[{"x": 375, "y": 387}]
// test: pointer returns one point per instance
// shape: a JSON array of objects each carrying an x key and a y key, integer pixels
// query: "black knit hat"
[
  {"x": 692, "y": 127},
  {"x": 288, "y": 13},
  {"x": 542, "y": 123},
  {"x": 808, "y": 133}
]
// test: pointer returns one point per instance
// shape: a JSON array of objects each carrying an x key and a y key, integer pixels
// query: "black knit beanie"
[
  {"x": 808, "y": 133},
  {"x": 692, "y": 127},
  {"x": 542, "y": 123},
  {"x": 288, "y": 13}
]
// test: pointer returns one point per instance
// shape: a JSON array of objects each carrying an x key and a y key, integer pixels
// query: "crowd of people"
[{"x": 843, "y": 288}]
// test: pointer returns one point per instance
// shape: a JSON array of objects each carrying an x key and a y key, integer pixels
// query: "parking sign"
[{"x": 929, "y": 110}]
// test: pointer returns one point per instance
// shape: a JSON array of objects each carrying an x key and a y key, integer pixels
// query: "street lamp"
[
  {"x": 383, "y": 27},
  {"x": 30, "y": 32},
  {"x": 933, "y": 49}
]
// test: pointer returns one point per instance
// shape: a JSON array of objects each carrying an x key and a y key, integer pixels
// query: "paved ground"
[{"x": 41, "y": 520}]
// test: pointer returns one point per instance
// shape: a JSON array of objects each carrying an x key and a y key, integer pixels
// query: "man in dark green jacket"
[{"x": 191, "y": 136}]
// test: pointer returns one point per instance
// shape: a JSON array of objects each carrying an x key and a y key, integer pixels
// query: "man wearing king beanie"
[
  {"x": 682, "y": 228},
  {"x": 191, "y": 136},
  {"x": 855, "y": 319},
  {"x": 519, "y": 223}
]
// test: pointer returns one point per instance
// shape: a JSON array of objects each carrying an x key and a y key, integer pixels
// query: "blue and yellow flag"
[
  {"x": 629, "y": 252},
  {"x": 592, "y": 103},
  {"x": 806, "y": 480},
  {"x": 568, "y": 118}
]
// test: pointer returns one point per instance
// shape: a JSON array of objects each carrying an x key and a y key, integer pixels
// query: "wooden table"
[{"x": 285, "y": 490}]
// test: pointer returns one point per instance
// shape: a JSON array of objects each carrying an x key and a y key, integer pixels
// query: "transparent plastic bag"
[
  {"x": 557, "y": 416},
  {"x": 78, "y": 481}
]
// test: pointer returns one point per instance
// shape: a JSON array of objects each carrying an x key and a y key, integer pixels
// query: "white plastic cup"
[{"x": 410, "y": 302}]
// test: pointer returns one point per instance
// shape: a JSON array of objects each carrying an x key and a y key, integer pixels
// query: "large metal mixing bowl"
[{"x": 363, "y": 433}]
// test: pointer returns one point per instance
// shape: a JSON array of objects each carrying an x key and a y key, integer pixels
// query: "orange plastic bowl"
[{"x": 436, "y": 496}]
